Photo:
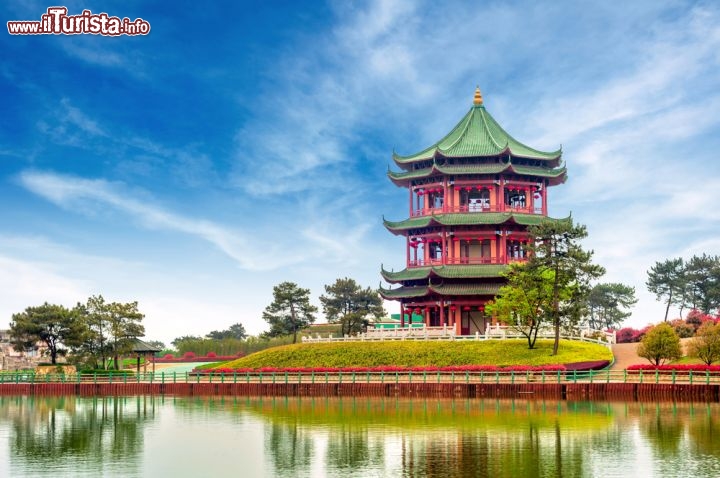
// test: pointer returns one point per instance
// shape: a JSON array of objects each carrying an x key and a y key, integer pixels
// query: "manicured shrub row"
[
  {"x": 386, "y": 369},
  {"x": 677, "y": 368}
]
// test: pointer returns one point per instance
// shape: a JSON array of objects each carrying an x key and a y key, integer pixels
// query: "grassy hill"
[{"x": 421, "y": 353}]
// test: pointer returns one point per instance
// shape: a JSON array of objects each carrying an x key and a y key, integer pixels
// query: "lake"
[{"x": 165, "y": 436}]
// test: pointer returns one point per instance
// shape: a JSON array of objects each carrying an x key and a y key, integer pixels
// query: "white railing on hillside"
[{"x": 448, "y": 333}]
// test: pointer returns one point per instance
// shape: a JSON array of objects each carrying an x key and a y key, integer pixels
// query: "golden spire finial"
[{"x": 478, "y": 96}]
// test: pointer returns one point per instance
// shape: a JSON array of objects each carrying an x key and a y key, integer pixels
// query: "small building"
[{"x": 471, "y": 197}]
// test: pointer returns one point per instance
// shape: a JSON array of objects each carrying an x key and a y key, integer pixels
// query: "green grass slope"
[{"x": 422, "y": 353}]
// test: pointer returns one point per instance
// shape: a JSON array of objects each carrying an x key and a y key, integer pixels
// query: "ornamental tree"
[
  {"x": 52, "y": 324},
  {"x": 525, "y": 301},
  {"x": 555, "y": 248},
  {"x": 290, "y": 310},
  {"x": 706, "y": 344},
  {"x": 660, "y": 344},
  {"x": 348, "y": 304}
]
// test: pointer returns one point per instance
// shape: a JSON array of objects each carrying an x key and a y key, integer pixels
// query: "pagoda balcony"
[
  {"x": 475, "y": 208},
  {"x": 452, "y": 261}
]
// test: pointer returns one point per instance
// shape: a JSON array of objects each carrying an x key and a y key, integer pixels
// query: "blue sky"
[{"x": 243, "y": 144}]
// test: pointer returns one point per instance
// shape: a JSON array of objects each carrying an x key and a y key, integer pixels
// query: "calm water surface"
[{"x": 248, "y": 437}]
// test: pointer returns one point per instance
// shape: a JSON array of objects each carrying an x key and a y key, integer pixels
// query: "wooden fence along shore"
[{"x": 563, "y": 385}]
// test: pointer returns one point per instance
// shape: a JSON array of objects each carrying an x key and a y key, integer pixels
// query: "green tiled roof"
[
  {"x": 447, "y": 272},
  {"x": 477, "y": 169},
  {"x": 466, "y": 219},
  {"x": 477, "y": 134},
  {"x": 466, "y": 289},
  {"x": 406, "y": 292}
]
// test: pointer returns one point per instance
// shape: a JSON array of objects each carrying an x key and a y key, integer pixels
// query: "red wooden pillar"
[
  {"x": 402, "y": 315},
  {"x": 442, "y": 313},
  {"x": 544, "y": 200},
  {"x": 407, "y": 250}
]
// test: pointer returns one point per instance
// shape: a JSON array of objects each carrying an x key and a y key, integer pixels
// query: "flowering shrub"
[
  {"x": 682, "y": 328},
  {"x": 169, "y": 356},
  {"x": 189, "y": 355},
  {"x": 391, "y": 369},
  {"x": 628, "y": 334},
  {"x": 677, "y": 368},
  {"x": 211, "y": 355}
]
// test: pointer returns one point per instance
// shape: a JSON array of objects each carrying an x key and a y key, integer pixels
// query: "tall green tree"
[
  {"x": 660, "y": 344},
  {"x": 667, "y": 281},
  {"x": 348, "y": 304},
  {"x": 555, "y": 247},
  {"x": 607, "y": 304},
  {"x": 702, "y": 276},
  {"x": 125, "y": 323},
  {"x": 109, "y": 328},
  {"x": 52, "y": 324},
  {"x": 290, "y": 310},
  {"x": 95, "y": 330}
]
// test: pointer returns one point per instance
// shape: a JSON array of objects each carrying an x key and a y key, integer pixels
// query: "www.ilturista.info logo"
[{"x": 57, "y": 22}]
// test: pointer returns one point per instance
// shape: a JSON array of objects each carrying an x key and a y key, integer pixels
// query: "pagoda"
[{"x": 471, "y": 197}]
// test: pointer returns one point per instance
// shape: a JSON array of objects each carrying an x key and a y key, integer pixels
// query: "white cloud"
[{"x": 71, "y": 192}]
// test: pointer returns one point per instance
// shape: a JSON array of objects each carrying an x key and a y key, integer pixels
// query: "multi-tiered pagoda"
[{"x": 472, "y": 196}]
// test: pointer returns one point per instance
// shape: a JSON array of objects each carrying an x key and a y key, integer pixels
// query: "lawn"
[{"x": 502, "y": 353}]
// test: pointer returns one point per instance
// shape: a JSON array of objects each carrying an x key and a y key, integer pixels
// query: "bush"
[
  {"x": 169, "y": 356},
  {"x": 706, "y": 344},
  {"x": 682, "y": 328},
  {"x": 660, "y": 344},
  {"x": 628, "y": 335},
  {"x": 189, "y": 355},
  {"x": 211, "y": 355}
]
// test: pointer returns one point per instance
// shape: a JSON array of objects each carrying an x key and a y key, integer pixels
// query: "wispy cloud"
[{"x": 71, "y": 192}]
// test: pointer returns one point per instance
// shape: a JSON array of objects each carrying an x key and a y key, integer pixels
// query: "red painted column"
[
  {"x": 442, "y": 313},
  {"x": 544, "y": 200},
  {"x": 402, "y": 315},
  {"x": 407, "y": 250},
  {"x": 410, "y": 201}
]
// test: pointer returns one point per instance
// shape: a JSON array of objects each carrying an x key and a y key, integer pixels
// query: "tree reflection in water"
[
  {"x": 68, "y": 432},
  {"x": 347, "y": 437}
]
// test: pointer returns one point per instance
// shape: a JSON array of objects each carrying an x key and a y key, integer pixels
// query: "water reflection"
[
  {"x": 71, "y": 432},
  {"x": 232, "y": 436}
]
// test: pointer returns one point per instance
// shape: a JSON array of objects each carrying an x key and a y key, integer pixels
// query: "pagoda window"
[
  {"x": 475, "y": 251},
  {"x": 435, "y": 199},
  {"x": 516, "y": 250},
  {"x": 515, "y": 198},
  {"x": 435, "y": 251},
  {"x": 475, "y": 200}
]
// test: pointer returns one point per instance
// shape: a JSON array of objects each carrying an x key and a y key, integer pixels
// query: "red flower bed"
[
  {"x": 677, "y": 368},
  {"x": 387, "y": 369}
]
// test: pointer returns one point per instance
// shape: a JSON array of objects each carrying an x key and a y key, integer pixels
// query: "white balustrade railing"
[{"x": 445, "y": 332}]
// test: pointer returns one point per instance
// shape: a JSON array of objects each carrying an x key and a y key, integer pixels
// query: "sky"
[{"x": 241, "y": 144}]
